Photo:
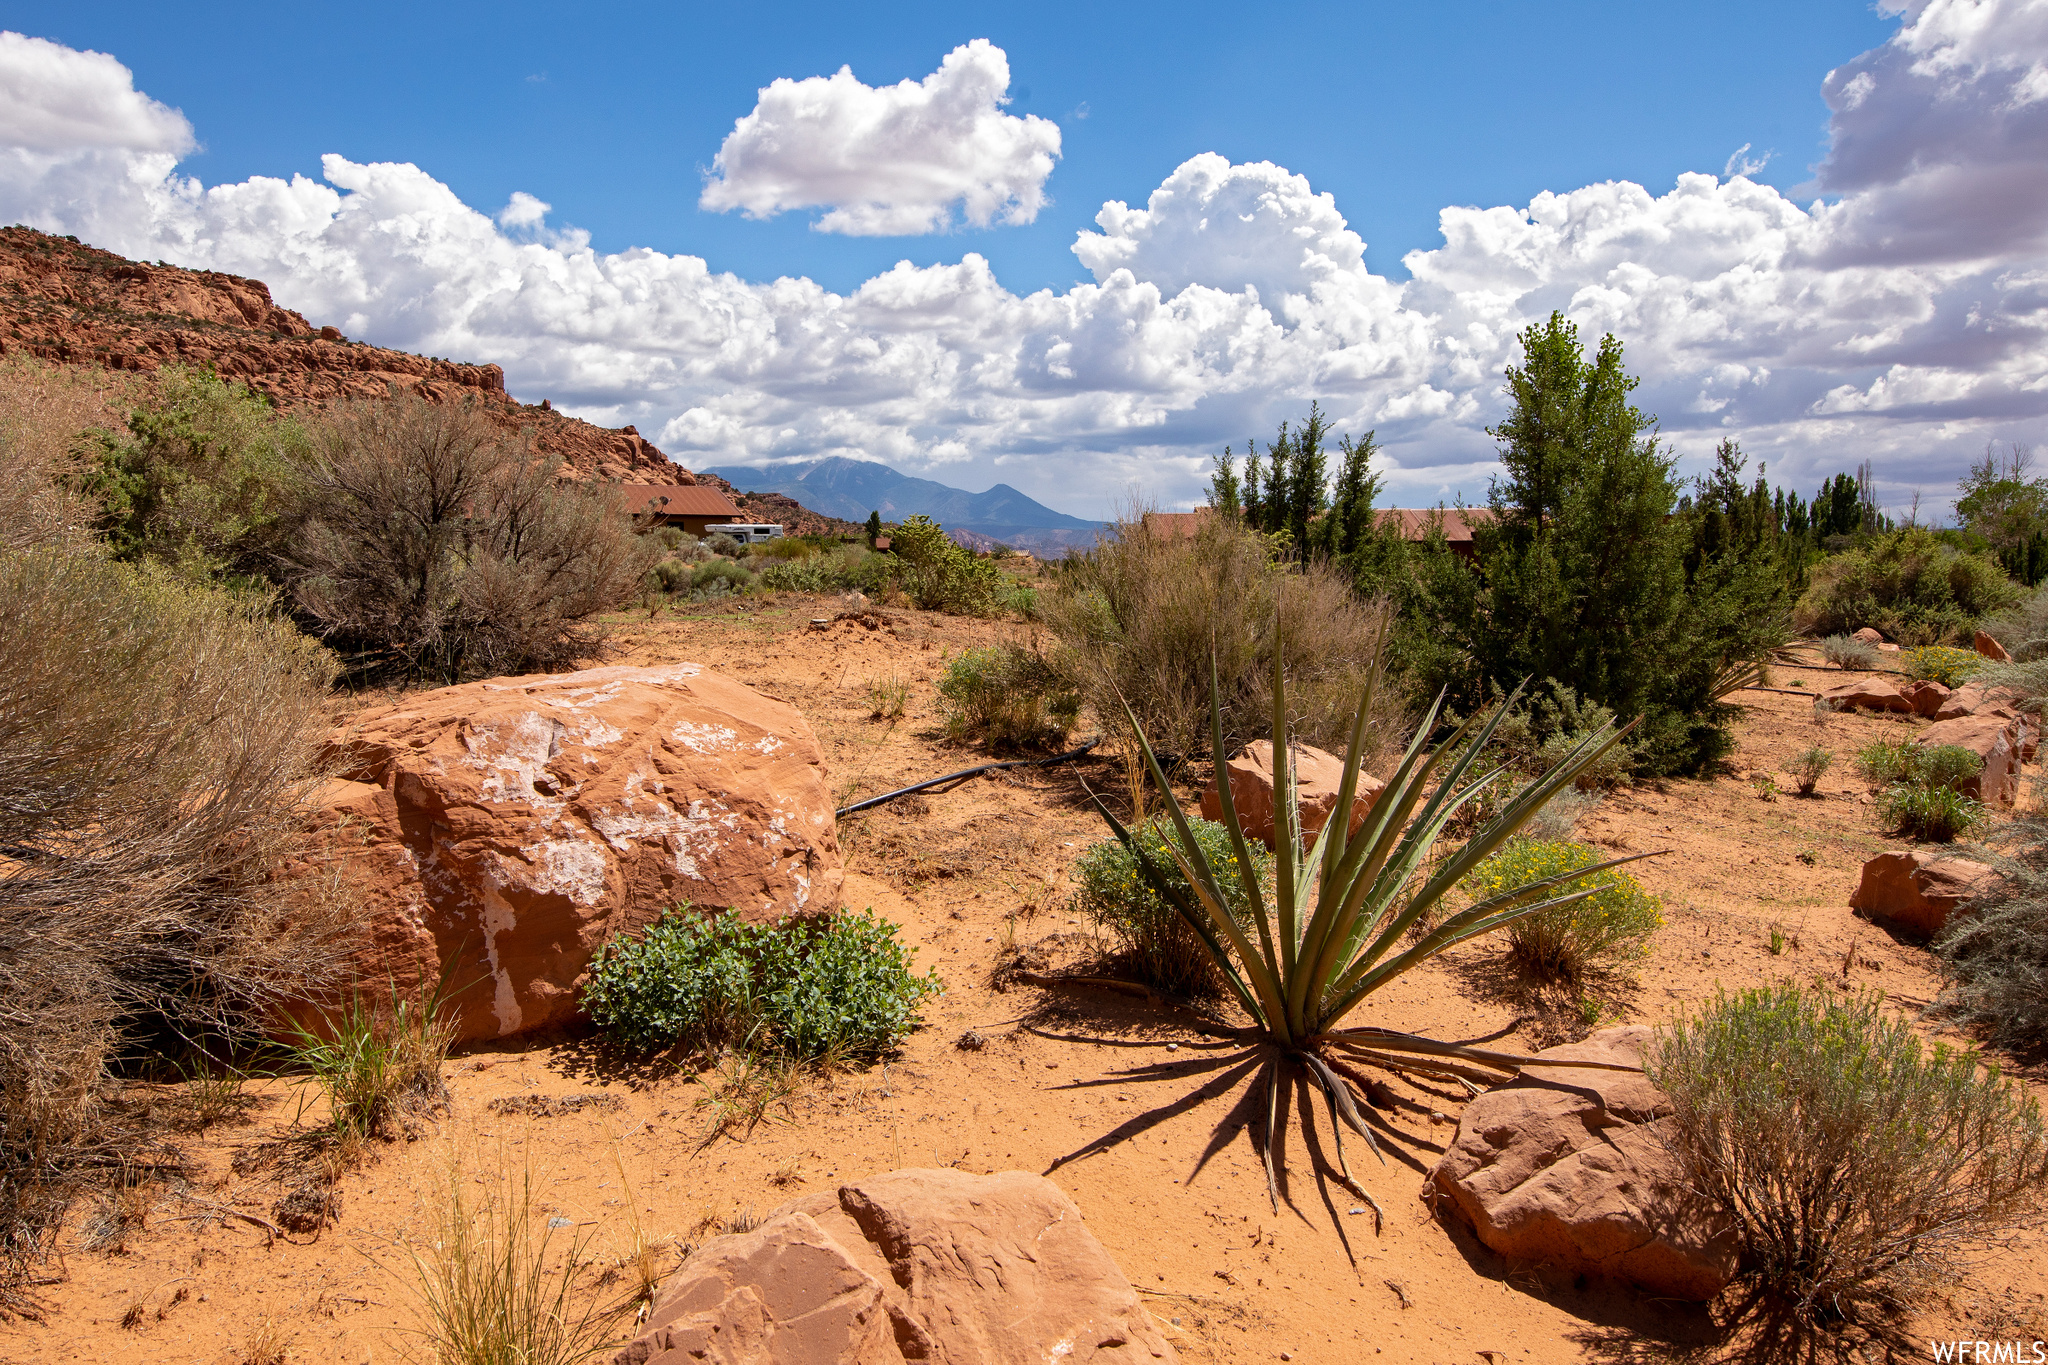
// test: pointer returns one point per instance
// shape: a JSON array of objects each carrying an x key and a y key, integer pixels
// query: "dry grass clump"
[
  {"x": 1857, "y": 1165},
  {"x": 424, "y": 540},
  {"x": 1139, "y": 615},
  {"x": 155, "y": 752},
  {"x": 495, "y": 1285},
  {"x": 1846, "y": 651},
  {"x": 47, "y": 412}
]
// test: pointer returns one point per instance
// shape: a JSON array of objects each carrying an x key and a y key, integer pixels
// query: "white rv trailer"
[{"x": 745, "y": 532}]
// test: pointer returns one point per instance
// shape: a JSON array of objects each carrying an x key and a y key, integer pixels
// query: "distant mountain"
[{"x": 839, "y": 487}]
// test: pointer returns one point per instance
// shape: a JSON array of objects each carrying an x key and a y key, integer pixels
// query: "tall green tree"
[{"x": 2001, "y": 501}]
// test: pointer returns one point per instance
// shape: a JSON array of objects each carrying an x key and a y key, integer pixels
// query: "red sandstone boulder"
[
  {"x": 1318, "y": 777},
  {"x": 1869, "y": 635},
  {"x": 1974, "y": 699},
  {"x": 1871, "y": 694},
  {"x": 1916, "y": 892},
  {"x": 937, "y": 1266},
  {"x": 501, "y": 830},
  {"x": 1926, "y": 695},
  {"x": 1991, "y": 649},
  {"x": 1567, "y": 1167},
  {"x": 1997, "y": 741}
]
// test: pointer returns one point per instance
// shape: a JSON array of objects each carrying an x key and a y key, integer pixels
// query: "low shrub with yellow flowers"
[
  {"x": 1945, "y": 664},
  {"x": 1607, "y": 928},
  {"x": 1148, "y": 932}
]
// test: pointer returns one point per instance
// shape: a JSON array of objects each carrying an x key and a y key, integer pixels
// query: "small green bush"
[
  {"x": 1948, "y": 666},
  {"x": 1563, "y": 943},
  {"x": 1846, "y": 651},
  {"x": 1809, "y": 766},
  {"x": 671, "y": 575},
  {"x": 831, "y": 989},
  {"x": 735, "y": 578},
  {"x": 941, "y": 576},
  {"x": 1852, "y": 1160},
  {"x": 795, "y": 575},
  {"x": 723, "y": 544},
  {"x": 789, "y": 548},
  {"x": 1883, "y": 762},
  {"x": 1146, "y": 928},
  {"x": 1007, "y": 697},
  {"x": 1937, "y": 815}
]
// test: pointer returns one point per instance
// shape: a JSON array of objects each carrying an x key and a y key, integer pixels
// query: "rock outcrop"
[
  {"x": 1868, "y": 694},
  {"x": 921, "y": 1265},
  {"x": 1916, "y": 893},
  {"x": 1566, "y": 1167},
  {"x": 1927, "y": 696},
  {"x": 1318, "y": 779},
  {"x": 499, "y": 831},
  {"x": 1869, "y": 635},
  {"x": 1998, "y": 743},
  {"x": 1990, "y": 649}
]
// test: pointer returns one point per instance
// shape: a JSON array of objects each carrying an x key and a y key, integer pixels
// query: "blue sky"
[
  {"x": 1193, "y": 220},
  {"x": 611, "y": 113}
]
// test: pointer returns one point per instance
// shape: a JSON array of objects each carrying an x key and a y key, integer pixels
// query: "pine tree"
[
  {"x": 1225, "y": 490},
  {"x": 874, "y": 527}
]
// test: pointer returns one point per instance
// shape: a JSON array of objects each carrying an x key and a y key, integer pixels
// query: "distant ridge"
[{"x": 842, "y": 487}]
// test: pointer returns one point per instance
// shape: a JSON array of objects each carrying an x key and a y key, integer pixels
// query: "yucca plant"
[{"x": 1303, "y": 955}]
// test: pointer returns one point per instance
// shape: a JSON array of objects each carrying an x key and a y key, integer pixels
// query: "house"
[
  {"x": 1411, "y": 523},
  {"x": 690, "y": 506}
]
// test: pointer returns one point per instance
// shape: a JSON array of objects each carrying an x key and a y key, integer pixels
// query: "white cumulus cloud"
[
  {"x": 1817, "y": 334},
  {"x": 895, "y": 161}
]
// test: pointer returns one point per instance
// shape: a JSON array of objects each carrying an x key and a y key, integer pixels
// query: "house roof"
[
  {"x": 679, "y": 500},
  {"x": 1413, "y": 522},
  {"x": 1177, "y": 525}
]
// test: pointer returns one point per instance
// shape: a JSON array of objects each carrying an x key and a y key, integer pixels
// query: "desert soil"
[{"x": 1115, "y": 1098}]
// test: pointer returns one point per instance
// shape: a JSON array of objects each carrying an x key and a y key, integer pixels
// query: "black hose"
[{"x": 967, "y": 772}]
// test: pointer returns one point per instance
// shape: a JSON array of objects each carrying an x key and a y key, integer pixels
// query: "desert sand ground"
[{"x": 1132, "y": 1113}]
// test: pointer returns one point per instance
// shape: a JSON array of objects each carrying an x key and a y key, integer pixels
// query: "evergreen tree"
[
  {"x": 874, "y": 527},
  {"x": 1225, "y": 490}
]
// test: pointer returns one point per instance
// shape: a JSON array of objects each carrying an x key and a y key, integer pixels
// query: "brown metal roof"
[
  {"x": 679, "y": 500},
  {"x": 1413, "y": 522}
]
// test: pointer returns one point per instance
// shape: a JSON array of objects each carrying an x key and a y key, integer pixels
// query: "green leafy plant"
[
  {"x": 1007, "y": 697},
  {"x": 837, "y": 988},
  {"x": 1809, "y": 766},
  {"x": 1944, "y": 664},
  {"x": 795, "y": 575},
  {"x": 941, "y": 576},
  {"x": 1609, "y": 925},
  {"x": 1937, "y": 815},
  {"x": 1884, "y": 761},
  {"x": 1147, "y": 928},
  {"x": 378, "y": 1065},
  {"x": 1852, "y": 1159},
  {"x": 1908, "y": 584},
  {"x": 1765, "y": 786},
  {"x": 1335, "y": 925}
]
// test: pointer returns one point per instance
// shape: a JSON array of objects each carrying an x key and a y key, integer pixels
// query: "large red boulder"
[
  {"x": 1869, "y": 635},
  {"x": 1991, "y": 649},
  {"x": 1916, "y": 893},
  {"x": 1318, "y": 779},
  {"x": 1869, "y": 694},
  {"x": 1926, "y": 695},
  {"x": 937, "y": 1266},
  {"x": 1974, "y": 699},
  {"x": 1997, "y": 741},
  {"x": 499, "y": 831},
  {"x": 1569, "y": 1167}
]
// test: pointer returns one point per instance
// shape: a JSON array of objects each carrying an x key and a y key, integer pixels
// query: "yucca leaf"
[
  {"x": 1395, "y": 1041},
  {"x": 1255, "y": 896}
]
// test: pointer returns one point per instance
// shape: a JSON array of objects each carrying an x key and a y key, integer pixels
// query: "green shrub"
[
  {"x": 1007, "y": 697},
  {"x": 1550, "y": 724},
  {"x": 1564, "y": 942},
  {"x": 723, "y": 544},
  {"x": 1883, "y": 761},
  {"x": 838, "y": 988},
  {"x": 378, "y": 1067},
  {"x": 671, "y": 575},
  {"x": 1809, "y": 766},
  {"x": 1944, "y": 664},
  {"x": 1853, "y": 1160},
  {"x": 716, "y": 571},
  {"x": 941, "y": 576},
  {"x": 795, "y": 575},
  {"x": 1020, "y": 598},
  {"x": 1937, "y": 814},
  {"x": 1156, "y": 940},
  {"x": 787, "y": 548},
  {"x": 1846, "y": 651},
  {"x": 1907, "y": 584}
]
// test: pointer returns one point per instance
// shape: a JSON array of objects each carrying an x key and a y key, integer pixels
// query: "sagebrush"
[
  {"x": 1008, "y": 697},
  {"x": 1857, "y": 1163}
]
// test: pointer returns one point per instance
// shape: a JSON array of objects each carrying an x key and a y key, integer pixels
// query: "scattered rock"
[
  {"x": 970, "y": 1041},
  {"x": 1871, "y": 694},
  {"x": 1888, "y": 649},
  {"x": 1996, "y": 740},
  {"x": 1915, "y": 892},
  {"x": 1869, "y": 635},
  {"x": 1567, "y": 1166},
  {"x": 1991, "y": 649},
  {"x": 926, "y": 1265},
  {"x": 1925, "y": 695},
  {"x": 500, "y": 831},
  {"x": 550, "y": 1106},
  {"x": 1318, "y": 777}
]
